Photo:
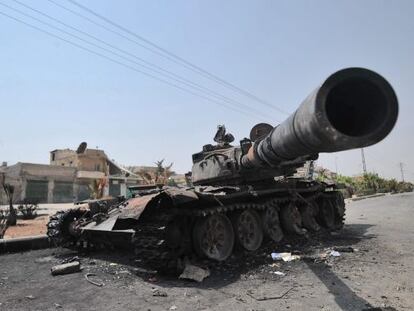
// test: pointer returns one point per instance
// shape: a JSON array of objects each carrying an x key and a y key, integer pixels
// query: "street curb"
[
  {"x": 24, "y": 244},
  {"x": 367, "y": 197}
]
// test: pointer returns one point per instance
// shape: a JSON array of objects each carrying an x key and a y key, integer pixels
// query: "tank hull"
[{"x": 163, "y": 228}]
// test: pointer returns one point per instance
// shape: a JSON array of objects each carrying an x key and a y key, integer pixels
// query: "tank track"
[
  {"x": 150, "y": 242},
  {"x": 153, "y": 251}
]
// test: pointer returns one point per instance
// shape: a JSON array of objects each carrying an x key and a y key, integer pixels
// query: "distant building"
[{"x": 68, "y": 177}]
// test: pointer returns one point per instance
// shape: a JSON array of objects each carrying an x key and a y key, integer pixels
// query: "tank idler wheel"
[
  {"x": 213, "y": 237},
  {"x": 247, "y": 227},
  {"x": 326, "y": 214},
  {"x": 291, "y": 219},
  {"x": 271, "y": 224},
  {"x": 308, "y": 213}
]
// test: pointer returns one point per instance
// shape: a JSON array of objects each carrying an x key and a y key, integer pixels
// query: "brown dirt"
[{"x": 28, "y": 227}]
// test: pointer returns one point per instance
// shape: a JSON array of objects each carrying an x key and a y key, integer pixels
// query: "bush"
[{"x": 28, "y": 209}]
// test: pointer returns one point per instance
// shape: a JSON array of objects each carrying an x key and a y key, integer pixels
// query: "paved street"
[{"x": 379, "y": 275}]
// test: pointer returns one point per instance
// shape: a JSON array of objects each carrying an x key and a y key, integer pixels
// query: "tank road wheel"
[
  {"x": 308, "y": 213},
  {"x": 248, "y": 229},
  {"x": 291, "y": 219},
  {"x": 213, "y": 237},
  {"x": 326, "y": 214},
  {"x": 271, "y": 224}
]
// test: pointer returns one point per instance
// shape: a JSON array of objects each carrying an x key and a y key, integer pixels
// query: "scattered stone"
[
  {"x": 334, "y": 254},
  {"x": 195, "y": 273},
  {"x": 66, "y": 268}
]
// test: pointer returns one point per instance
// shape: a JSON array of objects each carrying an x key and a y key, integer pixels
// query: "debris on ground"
[
  {"x": 66, "y": 268},
  {"x": 280, "y": 273},
  {"x": 31, "y": 297},
  {"x": 87, "y": 277},
  {"x": 284, "y": 256},
  {"x": 173, "y": 308},
  {"x": 195, "y": 273},
  {"x": 334, "y": 254},
  {"x": 159, "y": 293},
  {"x": 264, "y": 298}
]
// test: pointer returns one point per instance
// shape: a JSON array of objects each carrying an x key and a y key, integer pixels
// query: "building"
[{"x": 69, "y": 177}]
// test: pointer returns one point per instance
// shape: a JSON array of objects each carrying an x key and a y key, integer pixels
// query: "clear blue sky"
[{"x": 54, "y": 95}]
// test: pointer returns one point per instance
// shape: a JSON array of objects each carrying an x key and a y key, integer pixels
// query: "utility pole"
[
  {"x": 364, "y": 164},
  {"x": 336, "y": 165},
  {"x": 402, "y": 171}
]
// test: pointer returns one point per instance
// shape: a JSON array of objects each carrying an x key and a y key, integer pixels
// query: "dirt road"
[{"x": 378, "y": 275}]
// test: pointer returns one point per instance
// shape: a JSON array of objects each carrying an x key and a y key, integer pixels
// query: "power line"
[
  {"x": 179, "y": 79},
  {"x": 167, "y": 54},
  {"x": 119, "y": 62},
  {"x": 149, "y": 66}
]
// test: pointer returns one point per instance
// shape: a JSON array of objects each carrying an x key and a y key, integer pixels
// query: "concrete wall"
[{"x": 64, "y": 157}]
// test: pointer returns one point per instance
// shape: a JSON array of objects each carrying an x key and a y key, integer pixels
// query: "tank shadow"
[{"x": 345, "y": 297}]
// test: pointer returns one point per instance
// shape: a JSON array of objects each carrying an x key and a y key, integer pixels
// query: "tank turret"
[{"x": 353, "y": 108}]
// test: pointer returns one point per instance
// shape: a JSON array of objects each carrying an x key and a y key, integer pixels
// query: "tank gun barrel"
[{"x": 353, "y": 108}]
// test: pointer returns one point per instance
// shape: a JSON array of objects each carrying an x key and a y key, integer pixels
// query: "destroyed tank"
[{"x": 244, "y": 194}]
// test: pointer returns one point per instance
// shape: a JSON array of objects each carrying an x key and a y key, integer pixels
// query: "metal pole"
[
  {"x": 364, "y": 164},
  {"x": 402, "y": 171}
]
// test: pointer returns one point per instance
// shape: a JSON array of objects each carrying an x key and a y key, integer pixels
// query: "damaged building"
[{"x": 69, "y": 177}]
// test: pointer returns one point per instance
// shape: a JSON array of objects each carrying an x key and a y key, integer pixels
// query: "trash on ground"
[
  {"x": 173, "y": 308},
  {"x": 280, "y": 273},
  {"x": 31, "y": 297},
  {"x": 159, "y": 293},
  {"x": 284, "y": 256},
  {"x": 87, "y": 277},
  {"x": 195, "y": 273},
  {"x": 335, "y": 254},
  {"x": 66, "y": 268}
]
